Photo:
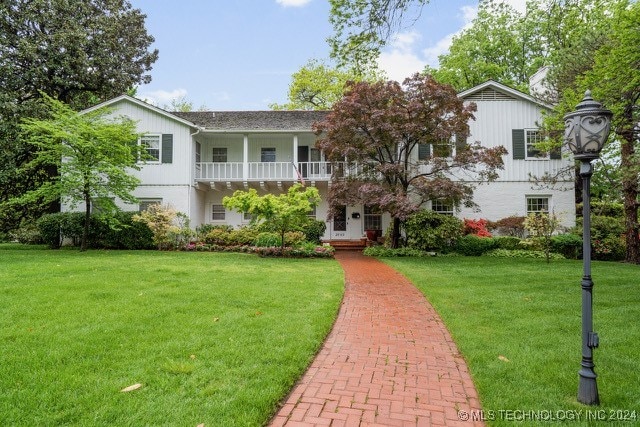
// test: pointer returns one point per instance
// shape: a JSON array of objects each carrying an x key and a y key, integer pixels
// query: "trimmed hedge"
[{"x": 471, "y": 245}]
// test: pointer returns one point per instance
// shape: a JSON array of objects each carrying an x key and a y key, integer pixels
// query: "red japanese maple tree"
[{"x": 397, "y": 142}]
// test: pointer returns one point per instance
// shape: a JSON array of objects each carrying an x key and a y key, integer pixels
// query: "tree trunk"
[
  {"x": 87, "y": 218},
  {"x": 630, "y": 198},
  {"x": 395, "y": 236}
]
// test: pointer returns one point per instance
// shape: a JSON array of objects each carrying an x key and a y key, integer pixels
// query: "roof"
[
  {"x": 284, "y": 120},
  {"x": 501, "y": 92},
  {"x": 142, "y": 104}
]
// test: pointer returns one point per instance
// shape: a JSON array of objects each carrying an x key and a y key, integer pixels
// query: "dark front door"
[
  {"x": 340, "y": 219},
  {"x": 303, "y": 160}
]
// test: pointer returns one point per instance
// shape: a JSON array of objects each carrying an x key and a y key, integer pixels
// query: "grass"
[
  {"x": 517, "y": 324},
  {"x": 213, "y": 338}
]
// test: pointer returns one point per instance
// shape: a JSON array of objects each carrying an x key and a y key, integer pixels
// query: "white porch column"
[
  {"x": 245, "y": 157},
  {"x": 295, "y": 155}
]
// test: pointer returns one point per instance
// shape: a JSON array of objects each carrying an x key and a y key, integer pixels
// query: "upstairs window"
[
  {"x": 158, "y": 147},
  {"x": 532, "y": 138},
  {"x": 151, "y": 144},
  {"x": 219, "y": 155},
  {"x": 268, "y": 154}
]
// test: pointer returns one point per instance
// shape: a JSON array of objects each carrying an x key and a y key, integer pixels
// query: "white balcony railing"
[{"x": 266, "y": 171}]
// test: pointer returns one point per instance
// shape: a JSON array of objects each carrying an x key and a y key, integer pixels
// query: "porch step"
[{"x": 348, "y": 245}]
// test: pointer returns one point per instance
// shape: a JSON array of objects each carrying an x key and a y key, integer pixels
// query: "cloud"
[
  {"x": 162, "y": 97},
  {"x": 401, "y": 61},
  {"x": 292, "y": 3}
]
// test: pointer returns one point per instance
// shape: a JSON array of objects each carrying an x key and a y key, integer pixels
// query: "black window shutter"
[
  {"x": 167, "y": 148},
  {"x": 517, "y": 137},
  {"x": 424, "y": 151}
]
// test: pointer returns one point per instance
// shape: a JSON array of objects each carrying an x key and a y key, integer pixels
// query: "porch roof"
[{"x": 254, "y": 120}]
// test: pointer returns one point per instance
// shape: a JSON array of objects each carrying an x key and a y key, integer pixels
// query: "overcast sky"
[{"x": 240, "y": 54}]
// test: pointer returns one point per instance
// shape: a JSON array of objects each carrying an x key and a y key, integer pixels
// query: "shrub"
[
  {"x": 471, "y": 245},
  {"x": 170, "y": 228},
  {"x": 509, "y": 226},
  {"x": 428, "y": 231},
  {"x": 604, "y": 208},
  {"x": 507, "y": 242},
  {"x": 119, "y": 231},
  {"x": 603, "y": 226},
  {"x": 520, "y": 253},
  {"x": 381, "y": 251},
  {"x": 267, "y": 239},
  {"x": 314, "y": 230},
  {"x": 293, "y": 238},
  {"x": 542, "y": 225},
  {"x": 477, "y": 227},
  {"x": 28, "y": 233},
  {"x": 569, "y": 245},
  {"x": 610, "y": 248},
  {"x": 243, "y": 236}
]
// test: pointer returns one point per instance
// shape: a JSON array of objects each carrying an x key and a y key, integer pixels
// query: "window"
[
  {"x": 217, "y": 213},
  {"x": 151, "y": 144},
  {"x": 268, "y": 154},
  {"x": 312, "y": 213},
  {"x": 532, "y": 138},
  {"x": 442, "y": 207},
  {"x": 442, "y": 149},
  {"x": 145, "y": 203},
  {"x": 372, "y": 218},
  {"x": 537, "y": 204},
  {"x": 246, "y": 217},
  {"x": 219, "y": 155},
  {"x": 100, "y": 205}
]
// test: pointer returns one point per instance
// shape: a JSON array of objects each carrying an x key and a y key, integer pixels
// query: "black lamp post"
[{"x": 586, "y": 131}]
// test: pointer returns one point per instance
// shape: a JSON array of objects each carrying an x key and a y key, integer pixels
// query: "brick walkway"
[{"x": 389, "y": 360}]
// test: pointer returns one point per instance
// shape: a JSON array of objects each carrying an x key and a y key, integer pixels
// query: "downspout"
[{"x": 193, "y": 177}]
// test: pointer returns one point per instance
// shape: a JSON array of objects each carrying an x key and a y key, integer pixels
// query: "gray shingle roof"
[{"x": 253, "y": 120}]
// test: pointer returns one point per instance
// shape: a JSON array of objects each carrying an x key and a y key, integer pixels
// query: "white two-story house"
[{"x": 198, "y": 158}]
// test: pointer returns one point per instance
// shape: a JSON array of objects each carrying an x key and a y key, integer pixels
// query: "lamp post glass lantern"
[{"x": 586, "y": 130}]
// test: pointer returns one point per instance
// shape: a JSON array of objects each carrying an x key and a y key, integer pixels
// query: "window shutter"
[
  {"x": 517, "y": 137},
  {"x": 424, "y": 151},
  {"x": 167, "y": 148}
]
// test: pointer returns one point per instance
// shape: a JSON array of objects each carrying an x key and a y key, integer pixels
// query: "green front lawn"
[
  {"x": 212, "y": 338},
  {"x": 518, "y": 323}
]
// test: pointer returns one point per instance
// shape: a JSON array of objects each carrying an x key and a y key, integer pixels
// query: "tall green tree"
[
  {"x": 317, "y": 86},
  {"x": 615, "y": 81},
  {"x": 361, "y": 28},
  {"x": 499, "y": 45},
  {"x": 93, "y": 153},
  {"x": 80, "y": 52}
]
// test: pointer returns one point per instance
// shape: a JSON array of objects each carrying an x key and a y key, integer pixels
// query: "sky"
[{"x": 240, "y": 55}]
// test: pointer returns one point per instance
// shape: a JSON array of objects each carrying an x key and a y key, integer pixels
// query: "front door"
[
  {"x": 339, "y": 224},
  {"x": 346, "y": 224}
]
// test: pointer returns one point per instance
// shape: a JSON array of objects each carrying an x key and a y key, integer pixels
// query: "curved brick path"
[{"x": 388, "y": 361}]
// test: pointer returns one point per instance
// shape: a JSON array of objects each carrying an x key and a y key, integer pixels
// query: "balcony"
[{"x": 262, "y": 171}]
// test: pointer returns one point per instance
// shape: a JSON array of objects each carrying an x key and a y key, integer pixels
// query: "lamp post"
[{"x": 586, "y": 131}]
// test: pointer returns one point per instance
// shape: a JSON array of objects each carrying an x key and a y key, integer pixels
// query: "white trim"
[
  {"x": 142, "y": 104},
  {"x": 504, "y": 89},
  {"x": 151, "y": 162}
]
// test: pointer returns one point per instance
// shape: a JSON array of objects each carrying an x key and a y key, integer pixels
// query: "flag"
[{"x": 300, "y": 178}]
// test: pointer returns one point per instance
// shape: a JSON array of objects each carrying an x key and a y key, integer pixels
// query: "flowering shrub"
[
  {"x": 610, "y": 248},
  {"x": 477, "y": 227},
  {"x": 170, "y": 228}
]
